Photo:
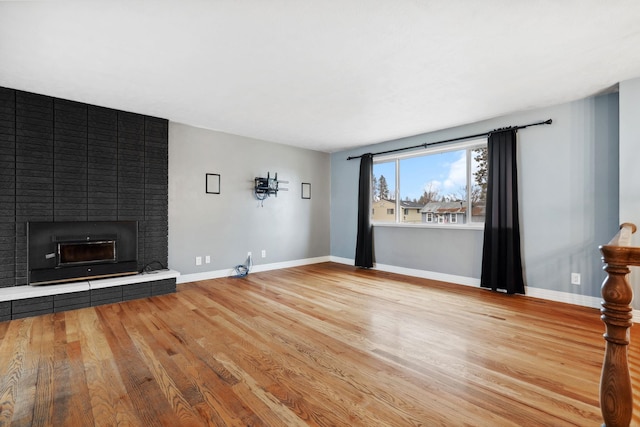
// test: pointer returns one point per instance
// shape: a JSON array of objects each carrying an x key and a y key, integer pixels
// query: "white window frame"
[{"x": 469, "y": 146}]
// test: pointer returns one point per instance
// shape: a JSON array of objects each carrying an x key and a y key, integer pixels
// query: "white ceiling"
[{"x": 320, "y": 74}]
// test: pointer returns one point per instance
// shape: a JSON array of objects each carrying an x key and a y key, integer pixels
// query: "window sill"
[{"x": 478, "y": 227}]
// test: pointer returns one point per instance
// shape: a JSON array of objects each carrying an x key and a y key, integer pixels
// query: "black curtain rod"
[{"x": 427, "y": 144}]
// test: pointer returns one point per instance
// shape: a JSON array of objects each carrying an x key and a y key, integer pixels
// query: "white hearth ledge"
[{"x": 26, "y": 291}]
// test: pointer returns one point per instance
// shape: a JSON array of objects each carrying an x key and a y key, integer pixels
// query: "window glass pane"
[
  {"x": 479, "y": 175},
  {"x": 438, "y": 188},
  {"x": 436, "y": 184},
  {"x": 384, "y": 190}
]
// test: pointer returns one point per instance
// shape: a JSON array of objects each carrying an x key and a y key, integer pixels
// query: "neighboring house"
[
  {"x": 478, "y": 213},
  {"x": 383, "y": 210},
  {"x": 450, "y": 213},
  {"x": 411, "y": 212}
]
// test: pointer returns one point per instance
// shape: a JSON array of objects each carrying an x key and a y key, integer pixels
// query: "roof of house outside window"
[
  {"x": 453, "y": 207},
  {"x": 411, "y": 205},
  {"x": 444, "y": 207}
]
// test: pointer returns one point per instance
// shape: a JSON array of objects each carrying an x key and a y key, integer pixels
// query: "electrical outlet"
[
  {"x": 248, "y": 253},
  {"x": 207, "y": 259},
  {"x": 198, "y": 260},
  {"x": 575, "y": 278},
  {"x": 264, "y": 253}
]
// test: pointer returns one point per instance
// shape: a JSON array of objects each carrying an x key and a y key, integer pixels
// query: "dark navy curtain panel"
[
  {"x": 501, "y": 254},
  {"x": 364, "y": 243}
]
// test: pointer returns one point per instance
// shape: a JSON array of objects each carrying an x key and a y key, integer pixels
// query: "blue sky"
[{"x": 445, "y": 172}]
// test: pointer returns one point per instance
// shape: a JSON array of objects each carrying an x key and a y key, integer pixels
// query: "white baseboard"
[
  {"x": 424, "y": 274},
  {"x": 206, "y": 275},
  {"x": 566, "y": 297},
  {"x": 546, "y": 294},
  {"x": 288, "y": 264},
  {"x": 340, "y": 260},
  {"x": 431, "y": 275},
  {"x": 216, "y": 274}
]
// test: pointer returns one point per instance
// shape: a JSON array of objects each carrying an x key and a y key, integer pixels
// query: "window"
[{"x": 445, "y": 185}]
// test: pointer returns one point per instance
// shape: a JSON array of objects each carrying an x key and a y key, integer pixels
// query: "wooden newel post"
[{"x": 616, "y": 397}]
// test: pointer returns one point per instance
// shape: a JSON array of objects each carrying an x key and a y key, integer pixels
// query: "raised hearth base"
[{"x": 24, "y": 301}]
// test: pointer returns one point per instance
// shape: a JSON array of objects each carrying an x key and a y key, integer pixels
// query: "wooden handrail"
[{"x": 616, "y": 399}]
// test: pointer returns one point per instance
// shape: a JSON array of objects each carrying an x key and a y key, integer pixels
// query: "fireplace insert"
[{"x": 69, "y": 251}]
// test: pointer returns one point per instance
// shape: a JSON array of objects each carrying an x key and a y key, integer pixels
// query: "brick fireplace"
[{"x": 64, "y": 161}]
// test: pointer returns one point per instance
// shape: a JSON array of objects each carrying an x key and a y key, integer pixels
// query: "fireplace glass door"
[{"x": 71, "y": 253}]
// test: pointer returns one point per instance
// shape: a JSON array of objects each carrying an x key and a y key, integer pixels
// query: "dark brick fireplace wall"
[{"x": 68, "y": 161}]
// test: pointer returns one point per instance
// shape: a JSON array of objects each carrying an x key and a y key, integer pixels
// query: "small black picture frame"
[
  {"x": 306, "y": 190},
  {"x": 212, "y": 183}
]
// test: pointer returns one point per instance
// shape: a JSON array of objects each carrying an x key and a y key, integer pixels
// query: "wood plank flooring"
[{"x": 320, "y": 345}]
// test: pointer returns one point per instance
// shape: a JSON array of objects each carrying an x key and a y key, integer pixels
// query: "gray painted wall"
[
  {"x": 568, "y": 174},
  {"x": 228, "y": 225},
  {"x": 629, "y": 170}
]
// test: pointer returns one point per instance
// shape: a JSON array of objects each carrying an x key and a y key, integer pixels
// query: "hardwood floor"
[{"x": 323, "y": 345}]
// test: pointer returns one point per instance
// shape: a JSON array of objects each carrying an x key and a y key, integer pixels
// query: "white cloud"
[{"x": 457, "y": 174}]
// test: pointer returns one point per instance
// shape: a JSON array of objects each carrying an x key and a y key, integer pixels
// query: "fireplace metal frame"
[{"x": 46, "y": 266}]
